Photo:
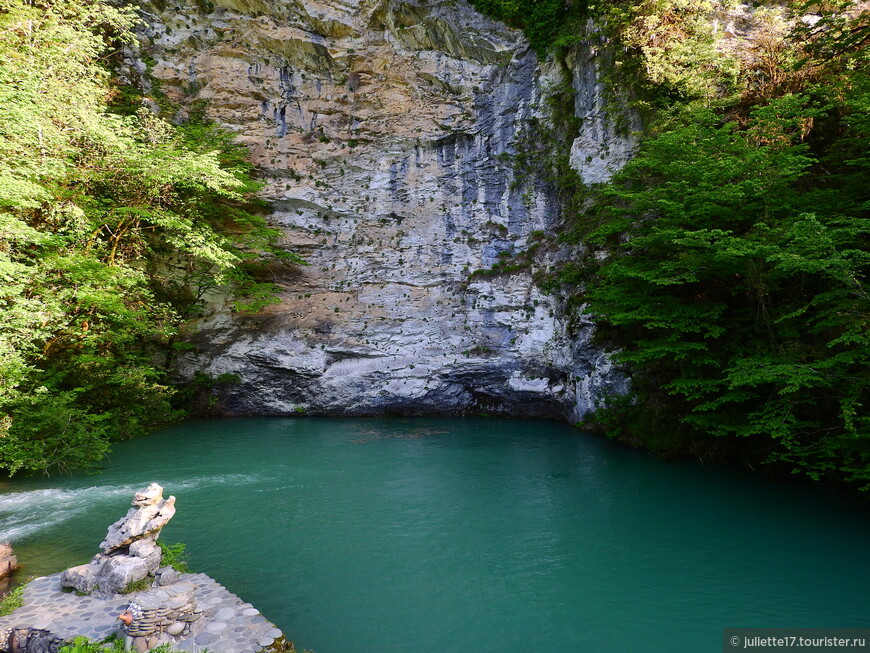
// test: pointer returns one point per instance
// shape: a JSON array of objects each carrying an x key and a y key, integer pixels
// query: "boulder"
[
  {"x": 8, "y": 561},
  {"x": 147, "y": 550},
  {"x": 118, "y": 572},
  {"x": 166, "y": 576},
  {"x": 82, "y": 578}
]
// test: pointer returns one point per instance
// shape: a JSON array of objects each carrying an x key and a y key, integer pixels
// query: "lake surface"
[{"x": 468, "y": 535}]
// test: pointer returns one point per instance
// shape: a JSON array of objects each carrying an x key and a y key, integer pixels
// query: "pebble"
[{"x": 175, "y": 628}]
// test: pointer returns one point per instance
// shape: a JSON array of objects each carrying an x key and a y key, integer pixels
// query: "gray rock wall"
[{"x": 384, "y": 130}]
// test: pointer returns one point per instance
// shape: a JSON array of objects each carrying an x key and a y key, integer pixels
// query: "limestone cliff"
[{"x": 384, "y": 131}]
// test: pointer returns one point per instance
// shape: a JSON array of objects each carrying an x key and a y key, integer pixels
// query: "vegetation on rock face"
[
  {"x": 727, "y": 264},
  {"x": 114, "y": 224},
  {"x": 734, "y": 286},
  {"x": 543, "y": 21}
]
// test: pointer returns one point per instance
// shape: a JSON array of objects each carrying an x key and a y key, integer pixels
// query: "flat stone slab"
[{"x": 229, "y": 624}]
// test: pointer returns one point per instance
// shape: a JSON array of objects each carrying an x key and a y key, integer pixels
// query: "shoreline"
[{"x": 51, "y": 618}]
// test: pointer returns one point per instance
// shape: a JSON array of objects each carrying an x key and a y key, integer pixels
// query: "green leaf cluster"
[
  {"x": 543, "y": 21},
  {"x": 735, "y": 284},
  {"x": 173, "y": 555},
  {"x": 114, "y": 227},
  {"x": 112, "y": 644}
]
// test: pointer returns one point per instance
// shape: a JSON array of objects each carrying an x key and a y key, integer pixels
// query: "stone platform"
[{"x": 228, "y": 624}]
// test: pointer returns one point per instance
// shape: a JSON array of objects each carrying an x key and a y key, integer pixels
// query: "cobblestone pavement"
[{"x": 228, "y": 624}]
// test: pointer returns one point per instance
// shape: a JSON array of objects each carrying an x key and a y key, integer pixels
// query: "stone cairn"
[
  {"x": 156, "y": 616},
  {"x": 129, "y": 552},
  {"x": 191, "y": 612}
]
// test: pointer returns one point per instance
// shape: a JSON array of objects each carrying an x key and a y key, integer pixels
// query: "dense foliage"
[
  {"x": 113, "y": 227},
  {"x": 543, "y": 21},
  {"x": 735, "y": 286},
  {"x": 727, "y": 265}
]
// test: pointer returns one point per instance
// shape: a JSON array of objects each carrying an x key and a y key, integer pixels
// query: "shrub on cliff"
[{"x": 541, "y": 20}]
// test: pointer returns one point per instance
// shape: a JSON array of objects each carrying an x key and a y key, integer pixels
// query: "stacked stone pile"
[
  {"x": 191, "y": 612},
  {"x": 130, "y": 552},
  {"x": 171, "y": 609}
]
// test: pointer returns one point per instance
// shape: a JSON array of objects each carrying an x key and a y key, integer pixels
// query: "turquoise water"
[{"x": 468, "y": 535}]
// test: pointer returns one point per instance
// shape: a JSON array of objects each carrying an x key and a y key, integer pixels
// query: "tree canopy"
[
  {"x": 114, "y": 223},
  {"x": 734, "y": 280}
]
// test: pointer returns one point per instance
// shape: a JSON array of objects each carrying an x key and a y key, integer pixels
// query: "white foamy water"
[{"x": 24, "y": 513}]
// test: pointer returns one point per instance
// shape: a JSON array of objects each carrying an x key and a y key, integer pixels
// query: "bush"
[
  {"x": 173, "y": 555},
  {"x": 12, "y": 600}
]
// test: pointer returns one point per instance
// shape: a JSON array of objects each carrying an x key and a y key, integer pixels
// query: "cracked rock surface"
[{"x": 385, "y": 132}]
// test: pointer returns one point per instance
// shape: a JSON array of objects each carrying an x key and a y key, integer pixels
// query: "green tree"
[
  {"x": 113, "y": 227},
  {"x": 736, "y": 284}
]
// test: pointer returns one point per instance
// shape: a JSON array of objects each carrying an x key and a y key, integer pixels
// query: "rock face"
[
  {"x": 385, "y": 131},
  {"x": 8, "y": 560},
  {"x": 129, "y": 552},
  {"x": 600, "y": 149}
]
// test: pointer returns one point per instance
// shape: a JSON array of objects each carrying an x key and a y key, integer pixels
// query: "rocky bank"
[
  {"x": 386, "y": 133},
  {"x": 124, "y": 592}
]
